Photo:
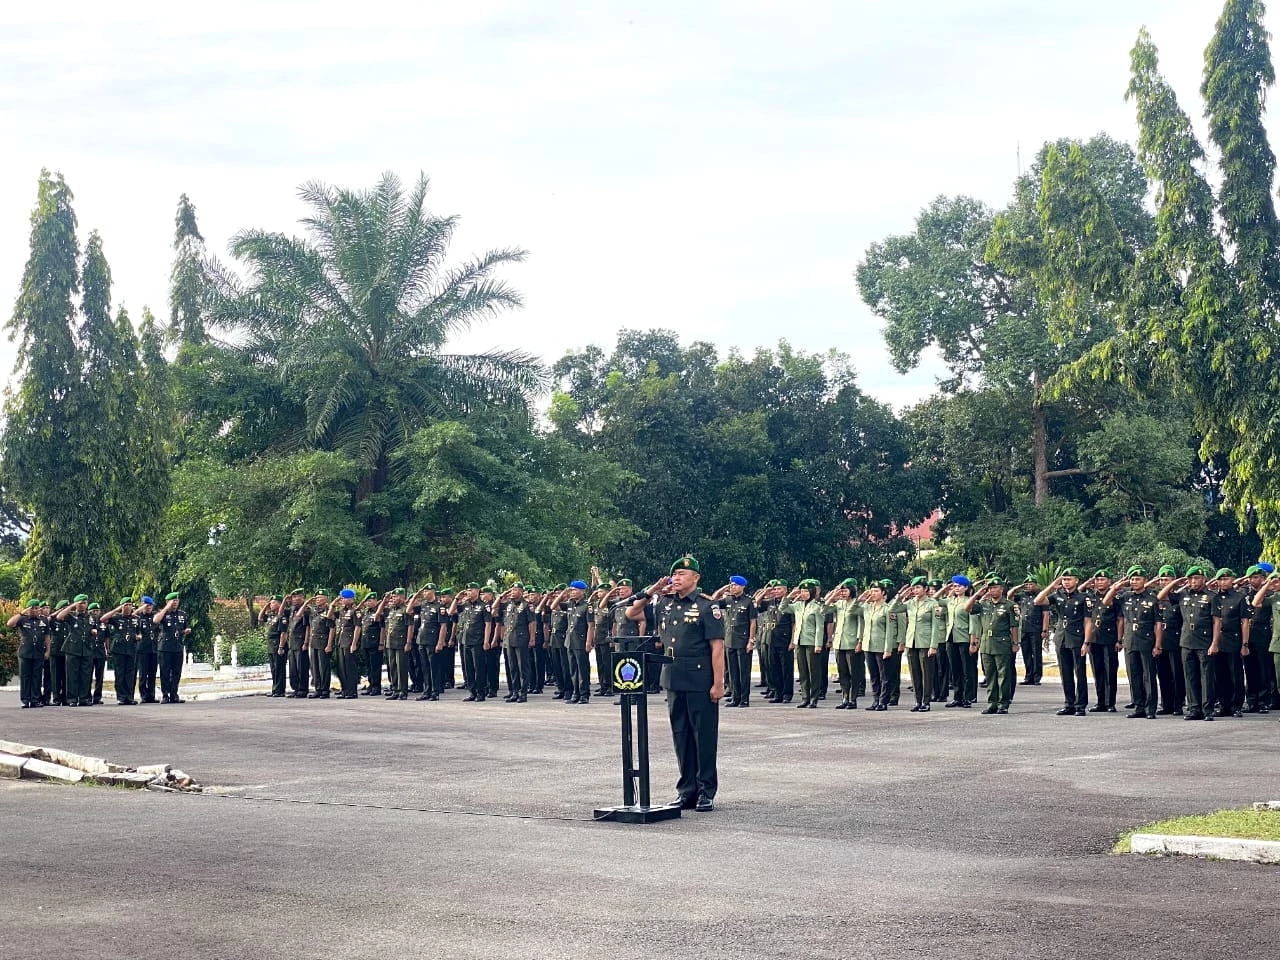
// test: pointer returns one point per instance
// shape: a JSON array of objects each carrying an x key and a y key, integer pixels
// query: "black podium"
[{"x": 630, "y": 665}]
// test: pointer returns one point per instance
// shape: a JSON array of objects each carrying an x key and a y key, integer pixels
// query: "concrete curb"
[{"x": 1208, "y": 848}]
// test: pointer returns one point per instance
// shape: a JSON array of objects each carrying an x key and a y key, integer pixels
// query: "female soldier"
[
  {"x": 846, "y": 638},
  {"x": 880, "y": 640},
  {"x": 809, "y": 638}
]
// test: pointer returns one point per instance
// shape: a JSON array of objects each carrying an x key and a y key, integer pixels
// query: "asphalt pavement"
[{"x": 450, "y": 829}]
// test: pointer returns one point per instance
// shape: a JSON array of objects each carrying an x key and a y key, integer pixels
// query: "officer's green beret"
[
  {"x": 919, "y": 581},
  {"x": 32, "y": 603},
  {"x": 1071, "y": 572},
  {"x": 80, "y": 598},
  {"x": 1224, "y": 572},
  {"x": 371, "y": 595},
  {"x": 603, "y": 585},
  {"x": 171, "y": 596},
  {"x": 473, "y": 585},
  {"x": 887, "y": 584},
  {"x": 322, "y": 592},
  {"x": 124, "y": 600},
  {"x": 1137, "y": 570},
  {"x": 297, "y": 591},
  {"x": 1252, "y": 570},
  {"x": 780, "y": 582},
  {"x": 428, "y": 586},
  {"x": 446, "y": 592},
  {"x": 935, "y": 583},
  {"x": 624, "y": 582},
  {"x": 560, "y": 586},
  {"x": 1104, "y": 573},
  {"x": 61, "y": 604},
  {"x": 686, "y": 563},
  {"x": 1029, "y": 578},
  {"x": 1167, "y": 570},
  {"x": 849, "y": 582},
  {"x": 398, "y": 591},
  {"x": 488, "y": 588},
  {"x": 517, "y": 585},
  {"x": 809, "y": 582},
  {"x": 278, "y": 596},
  {"x": 95, "y": 606},
  {"x": 1195, "y": 570},
  {"x": 995, "y": 581}
]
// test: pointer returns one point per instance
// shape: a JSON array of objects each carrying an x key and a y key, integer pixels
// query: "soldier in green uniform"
[
  {"x": 399, "y": 644},
  {"x": 1230, "y": 641},
  {"x": 1267, "y": 597},
  {"x": 425, "y": 608},
  {"x": 54, "y": 680},
  {"x": 920, "y": 642},
  {"x": 784, "y": 664},
  {"x": 809, "y": 637},
  {"x": 846, "y": 637},
  {"x": 518, "y": 621},
  {"x": 274, "y": 618},
  {"x": 879, "y": 640},
  {"x": 538, "y": 661},
  {"x": 121, "y": 627},
  {"x": 148, "y": 651},
  {"x": 320, "y": 647},
  {"x": 175, "y": 627},
  {"x": 1173, "y": 689},
  {"x": 766, "y": 617},
  {"x": 600, "y": 619},
  {"x": 998, "y": 642},
  {"x": 1034, "y": 622},
  {"x": 1068, "y": 617},
  {"x": 78, "y": 650},
  {"x": 296, "y": 631},
  {"x": 98, "y": 650},
  {"x": 1102, "y": 643},
  {"x": 33, "y": 648},
  {"x": 580, "y": 641},
  {"x": 1259, "y": 675},
  {"x": 346, "y": 644},
  {"x": 740, "y": 635},
  {"x": 448, "y": 624},
  {"x": 556, "y": 649},
  {"x": 1142, "y": 634},
  {"x": 371, "y": 642},
  {"x": 1195, "y": 602},
  {"x": 473, "y": 634},
  {"x": 692, "y": 631},
  {"x": 941, "y": 661},
  {"x": 493, "y": 641}
]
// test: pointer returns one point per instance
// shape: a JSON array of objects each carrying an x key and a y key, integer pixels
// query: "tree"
[
  {"x": 188, "y": 280},
  {"x": 44, "y": 417},
  {"x": 353, "y": 322}
]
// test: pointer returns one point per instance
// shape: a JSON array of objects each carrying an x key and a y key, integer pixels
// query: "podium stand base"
[{"x": 639, "y": 814}]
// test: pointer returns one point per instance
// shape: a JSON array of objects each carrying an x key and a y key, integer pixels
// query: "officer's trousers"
[
  {"x": 960, "y": 657},
  {"x": 538, "y": 668},
  {"x": 941, "y": 674},
  {"x": 78, "y": 669},
  {"x": 97, "y": 674},
  {"x": 1075, "y": 678},
  {"x": 279, "y": 667},
  {"x": 443, "y": 664},
  {"x": 147, "y": 663},
  {"x": 1255, "y": 684},
  {"x": 739, "y": 675},
  {"x": 348, "y": 670},
  {"x": 1173, "y": 684},
  {"x": 1230, "y": 680},
  {"x": 766, "y": 667},
  {"x": 878, "y": 667},
  {"x": 695, "y": 728},
  {"x": 29, "y": 669},
  {"x": 299, "y": 668},
  {"x": 492, "y": 665},
  {"x": 580, "y": 674},
  {"x": 998, "y": 669},
  {"x": 850, "y": 667},
  {"x": 373, "y": 665},
  {"x": 1201, "y": 677},
  {"x": 1105, "y": 663},
  {"x": 604, "y": 668},
  {"x": 784, "y": 671},
  {"x": 426, "y": 667},
  {"x": 398, "y": 668},
  {"x": 55, "y": 678},
  {"x": 1141, "y": 666},
  {"x": 821, "y": 669},
  {"x": 171, "y": 673},
  {"x": 415, "y": 674},
  {"x": 559, "y": 658},
  {"x": 1032, "y": 645},
  {"x": 921, "y": 666},
  {"x": 125, "y": 666},
  {"x": 321, "y": 667},
  {"x": 807, "y": 666},
  {"x": 474, "y": 665},
  {"x": 893, "y": 676},
  {"x": 519, "y": 670}
]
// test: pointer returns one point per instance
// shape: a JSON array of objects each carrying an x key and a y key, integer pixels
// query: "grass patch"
[{"x": 1247, "y": 824}]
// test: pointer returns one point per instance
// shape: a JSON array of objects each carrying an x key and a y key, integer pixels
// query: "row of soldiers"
[{"x": 63, "y": 650}]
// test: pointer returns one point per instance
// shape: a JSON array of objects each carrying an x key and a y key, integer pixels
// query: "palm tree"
[{"x": 354, "y": 320}]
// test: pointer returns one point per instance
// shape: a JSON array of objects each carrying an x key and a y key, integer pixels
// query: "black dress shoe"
[
  {"x": 177, "y": 700},
  {"x": 874, "y": 706},
  {"x": 1111, "y": 709},
  {"x": 1128, "y": 706},
  {"x": 685, "y": 803},
  {"x": 470, "y": 699},
  {"x": 953, "y": 703},
  {"x": 1099, "y": 708},
  {"x": 1151, "y": 716},
  {"x": 1002, "y": 710},
  {"x": 704, "y": 804},
  {"x": 880, "y": 707},
  {"x": 313, "y": 696},
  {"x": 989, "y": 710},
  {"x": 1193, "y": 716},
  {"x": 558, "y": 696},
  {"x": 1080, "y": 712},
  {"x": 802, "y": 706},
  {"x": 1207, "y": 716},
  {"x": 425, "y": 696},
  {"x": 1236, "y": 713},
  {"x": 924, "y": 708},
  {"x": 916, "y": 708},
  {"x": 842, "y": 705},
  {"x": 813, "y": 704},
  {"x": 575, "y": 700},
  {"x": 1135, "y": 715}
]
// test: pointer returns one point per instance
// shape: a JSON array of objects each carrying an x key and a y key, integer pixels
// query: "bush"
[
  {"x": 230, "y": 619},
  {"x": 251, "y": 648},
  {"x": 10, "y": 580},
  {"x": 9, "y": 637}
]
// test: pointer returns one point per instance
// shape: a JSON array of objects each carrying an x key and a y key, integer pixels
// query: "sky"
[{"x": 713, "y": 167}]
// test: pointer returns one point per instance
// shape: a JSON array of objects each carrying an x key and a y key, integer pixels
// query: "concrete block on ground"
[
  {"x": 11, "y": 766},
  {"x": 123, "y": 779},
  {"x": 75, "y": 761},
  {"x": 18, "y": 749},
  {"x": 1210, "y": 848},
  {"x": 44, "y": 770}
]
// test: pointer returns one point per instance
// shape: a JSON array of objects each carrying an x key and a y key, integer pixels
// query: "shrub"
[
  {"x": 251, "y": 648},
  {"x": 9, "y": 637}
]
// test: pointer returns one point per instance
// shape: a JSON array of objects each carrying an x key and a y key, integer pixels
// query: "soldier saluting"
[{"x": 691, "y": 628}]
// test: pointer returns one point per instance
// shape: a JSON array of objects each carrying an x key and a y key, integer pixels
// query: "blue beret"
[
  {"x": 740, "y": 581},
  {"x": 962, "y": 580},
  {"x": 347, "y": 594},
  {"x": 578, "y": 585},
  {"x": 148, "y": 600},
  {"x": 1266, "y": 567}
]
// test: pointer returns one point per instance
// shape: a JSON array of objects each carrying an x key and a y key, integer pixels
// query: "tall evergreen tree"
[
  {"x": 188, "y": 281},
  {"x": 44, "y": 415}
]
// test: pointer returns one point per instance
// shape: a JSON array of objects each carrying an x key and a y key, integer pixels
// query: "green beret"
[
  {"x": 518, "y": 586},
  {"x": 174, "y": 595},
  {"x": 1252, "y": 570},
  {"x": 398, "y": 591},
  {"x": 124, "y": 600},
  {"x": 1102, "y": 573},
  {"x": 428, "y": 586},
  {"x": 810, "y": 582},
  {"x": 624, "y": 582},
  {"x": 61, "y": 604},
  {"x": 32, "y": 603},
  {"x": 473, "y": 585},
  {"x": 95, "y": 606},
  {"x": 781, "y": 583},
  {"x": 994, "y": 581},
  {"x": 1029, "y": 578},
  {"x": 488, "y": 588},
  {"x": 1070, "y": 572},
  {"x": 322, "y": 592},
  {"x": 560, "y": 586},
  {"x": 1195, "y": 570},
  {"x": 1167, "y": 570},
  {"x": 686, "y": 563},
  {"x": 1137, "y": 570},
  {"x": 886, "y": 583},
  {"x": 296, "y": 592},
  {"x": 371, "y": 595},
  {"x": 935, "y": 583},
  {"x": 278, "y": 596},
  {"x": 919, "y": 581},
  {"x": 849, "y": 582},
  {"x": 1224, "y": 572},
  {"x": 446, "y": 592},
  {"x": 80, "y": 598},
  {"x": 603, "y": 585}
]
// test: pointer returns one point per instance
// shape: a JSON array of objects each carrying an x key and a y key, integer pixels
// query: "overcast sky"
[{"x": 717, "y": 167}]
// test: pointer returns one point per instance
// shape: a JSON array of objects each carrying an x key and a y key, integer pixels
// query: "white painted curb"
[{"x": 1213, "y": 848}]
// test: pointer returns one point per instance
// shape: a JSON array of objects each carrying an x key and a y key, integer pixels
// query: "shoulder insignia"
[{"x": 716, "y": 612}]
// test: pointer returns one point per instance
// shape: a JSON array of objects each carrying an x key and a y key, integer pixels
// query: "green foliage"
[
  {"x": 189, "y": 283},
  {"x": 229, "y": 619},
  {"x": 10, "y": 580},
  {"x": 251, "y": 648},
  {"x": 10, "y": 637}
]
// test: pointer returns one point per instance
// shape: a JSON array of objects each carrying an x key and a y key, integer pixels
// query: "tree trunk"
[{"x": 1039, "y": 442}]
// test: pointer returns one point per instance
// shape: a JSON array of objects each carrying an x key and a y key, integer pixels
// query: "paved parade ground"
[{"x": 462, "y": 830}]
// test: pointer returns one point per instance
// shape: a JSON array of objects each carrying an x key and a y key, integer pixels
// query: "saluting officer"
[
  {"x": 320, "y": 647},
  {"x": 1069, "y": 615},
  {"x": 296, "y": 638},
  {"x": 518, "y": 621},
  {"x": 148, "y": 651},
  {"x": 1142, "y": 634},
  {"x": 426, "y": 635},
  {"x": 174, "y": 630},
  {"x": 1102, "y": 641},
  {"x": 1034, "y": 621},
  {"x": 98, "y": 647},
  {"x": 276, "y": 620},
  {"x": 580, "y": 641},
  {"x": 1195, "y": 601},
  {"x": 1230, "y": 641},
  {"x": 76, "y": 648},
  {"x": 1259, "y": 672},
  {"x": 1169, "y": 674},
  {"x": 399, "y": 644},
  {"x": 55, "y": 668},
  {"x": 346, "y": 642},
  {"x": 600, "y": 633},
  {"x": 998, "y": 642},
  {"x": 473, "y": 634},
  {"x": 371, "y": 642},
  {"x": 740, "y": 635},
  {"x": 121, "y": 626},
  {"x": 33, "y": 649},
  {"x": 692, "y": 630}
]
